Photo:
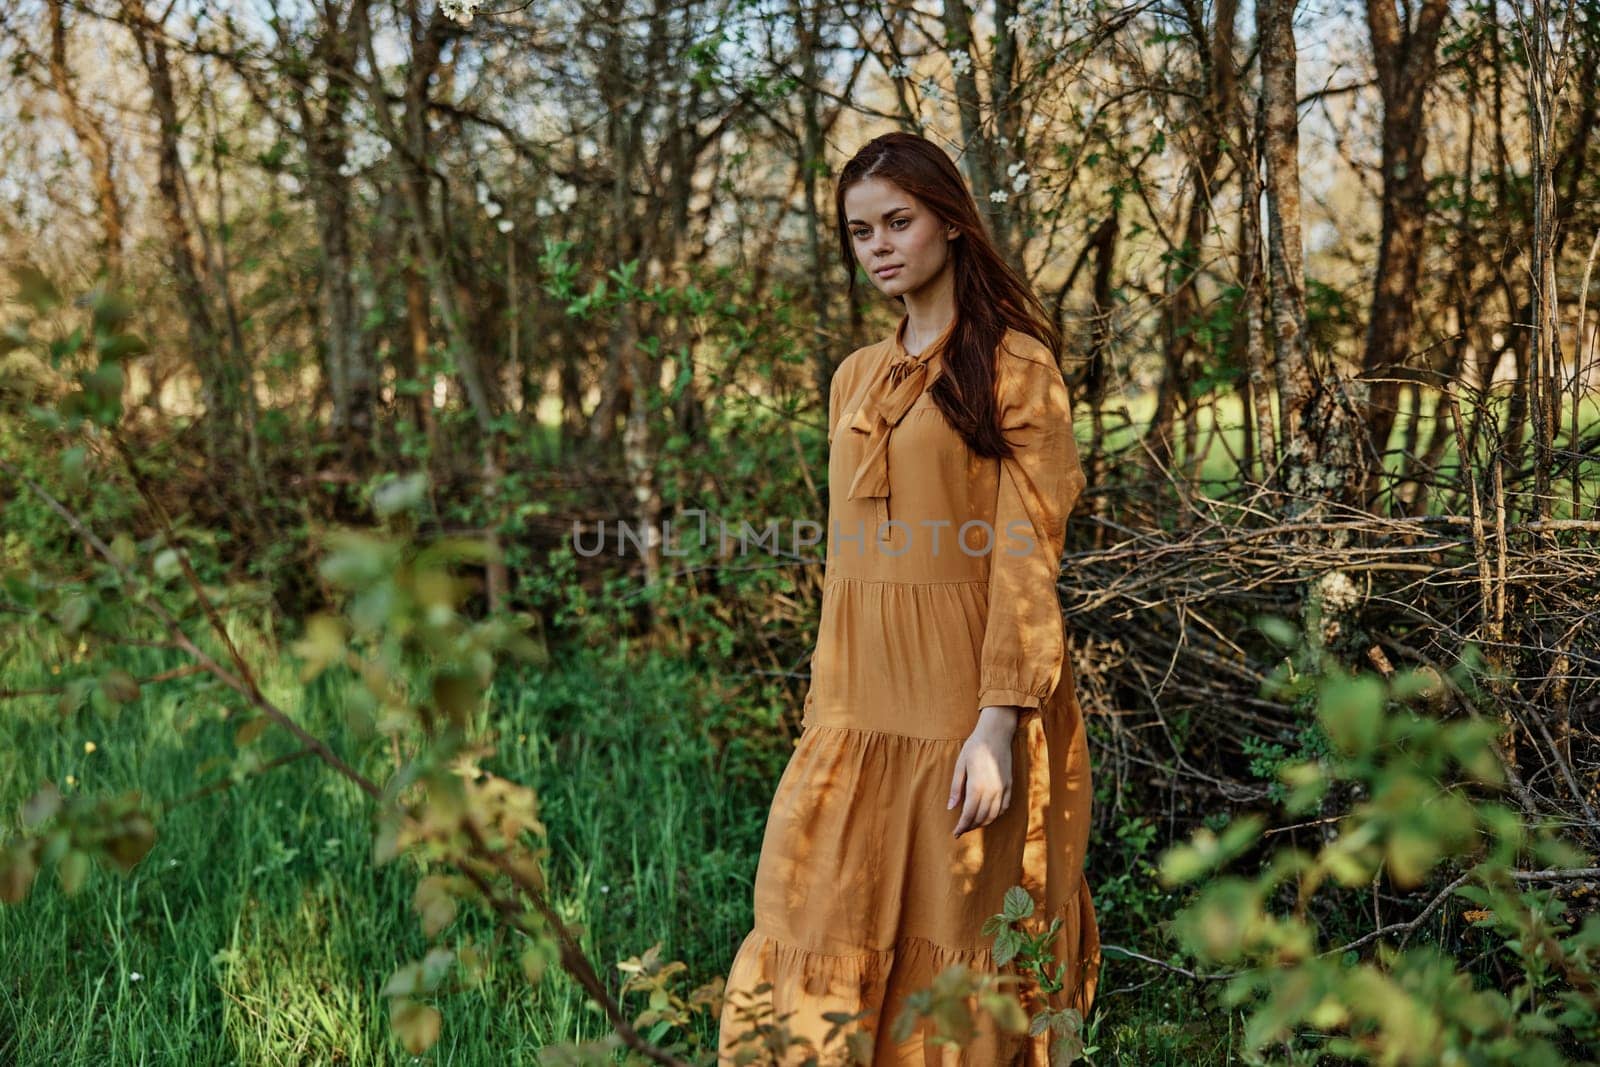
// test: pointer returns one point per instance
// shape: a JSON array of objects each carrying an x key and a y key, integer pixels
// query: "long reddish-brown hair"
[{"x": 990, "y": 296}]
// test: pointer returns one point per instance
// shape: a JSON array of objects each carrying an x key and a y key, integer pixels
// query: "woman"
[{"x": 942, "y": 758}]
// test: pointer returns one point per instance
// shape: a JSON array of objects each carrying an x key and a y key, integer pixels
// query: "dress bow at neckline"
[{"x": 886, "y": 403}]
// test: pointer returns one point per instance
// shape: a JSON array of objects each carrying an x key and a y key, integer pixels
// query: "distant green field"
[{"x": 1221, "y": 438}]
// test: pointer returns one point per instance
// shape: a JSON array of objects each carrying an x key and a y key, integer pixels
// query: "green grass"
[{"x": 262, "y": 932}]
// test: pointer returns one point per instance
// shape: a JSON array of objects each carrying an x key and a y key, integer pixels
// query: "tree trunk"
[
  {"x": 1404, "y": 61},
  {"x": 346, "y": 359},
  {"x": 1318, "y": 454},
  {"x": 216, "y": 387},
  {"x": 91, "y": 133},
  {"x": 1214, "y": 47}
]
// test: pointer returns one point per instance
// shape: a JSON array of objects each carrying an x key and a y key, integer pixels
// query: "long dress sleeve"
[
  {"x": 833, "y": 403},
  {"x": 1024, "y": 638},
  {"x": 835, "y": 384}
]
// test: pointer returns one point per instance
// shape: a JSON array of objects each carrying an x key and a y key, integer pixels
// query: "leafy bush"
[{"x": 1425, "y": 817}]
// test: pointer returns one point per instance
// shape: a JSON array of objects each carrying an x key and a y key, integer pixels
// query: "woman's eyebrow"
[{"x": 886, "y": 214}]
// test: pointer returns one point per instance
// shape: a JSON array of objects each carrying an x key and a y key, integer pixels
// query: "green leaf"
[
  {"x": 17, "y": 871},
  {"x": 1347, "y": 867},
  {"x": 73, "y": 871},
  {"x": 433, "y": 902},
  {"x": 75, "y": 610},
  {"x": 15, "y": 335},
  {"x": 356, "y": 560},
  {"x": 111, "y": 310},
  {"x": 119, "y": 346},
  {"x": 249, "y": 730},
  {"x": 417, "y": 1025},
  {"x": 41, "y": 807},
  {"x": 1277, "y": 631},
  {"x": 104, "y": 384},
  {"x": 166, "y": 564},
  {"x": 404, "y": 982},
  {"x": 124, "y": 549},
  {"x": 1351, "y": 711},
  {"x": 34, "y": 288},
  {"x": 131, "y": 841},
  {"x": 458, "y": 694},
  {"x": 119, "y": 686},
  {"x": 399, "y": 494},
  {"x": 73, "y": 694},
  {"x": 1307, "y": 784},
  {"x": 73, "y": 473},
  {"x": 1206, "y": 851},
  {"x": 533, "y": 961},
  {"x": 322, "y": 645},
  {"x": 1018, "y": 904},
  {"x": 56, "y": 846},
  {"x": 1066, "y": 1049},
  {"x": 1006, "y": 946},
  {"x": 1006, "y": 1010},
  {"x": 435, "y": 965},
  {"x": 1412, "y": 852}
]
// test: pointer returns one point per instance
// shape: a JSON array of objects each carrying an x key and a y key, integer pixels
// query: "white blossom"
[
  {"x": 1019, "y": 181},
  {"x": 504, "y": 225},
  {"x": 999, "y": 196},
  {"x": 930, "y": 89},
  {"x": 1013, "y": 23},
  {"x": 460, "y": 10},
  {"x": 366, "y": 149},
  {"x": 961, "y": 61},
  {"x": 492, "y": 209},
  {"x": 559, "y": 199},
  {"x": 900, "y": 70}
]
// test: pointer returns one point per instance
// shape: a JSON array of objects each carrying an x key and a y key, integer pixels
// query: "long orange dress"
[{"x": 938, "y": 599}]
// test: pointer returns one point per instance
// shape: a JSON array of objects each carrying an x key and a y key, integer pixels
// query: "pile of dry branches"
[{"x": 1167, "y": 655}]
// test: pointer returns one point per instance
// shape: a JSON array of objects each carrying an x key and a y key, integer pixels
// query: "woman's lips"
[{"x": 887, "y": 272}]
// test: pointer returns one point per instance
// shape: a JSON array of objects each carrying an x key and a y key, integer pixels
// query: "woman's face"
[{"x": 899, "y": 242}]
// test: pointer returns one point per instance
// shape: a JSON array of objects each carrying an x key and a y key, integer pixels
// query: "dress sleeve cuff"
[{"x": 1018, "y": 697}]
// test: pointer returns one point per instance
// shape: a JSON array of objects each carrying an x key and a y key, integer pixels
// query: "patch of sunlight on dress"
[{"x": 862, "y": 894}]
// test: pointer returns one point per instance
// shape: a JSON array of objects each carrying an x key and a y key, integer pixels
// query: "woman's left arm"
[{"x": 1024, "y": 640}]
